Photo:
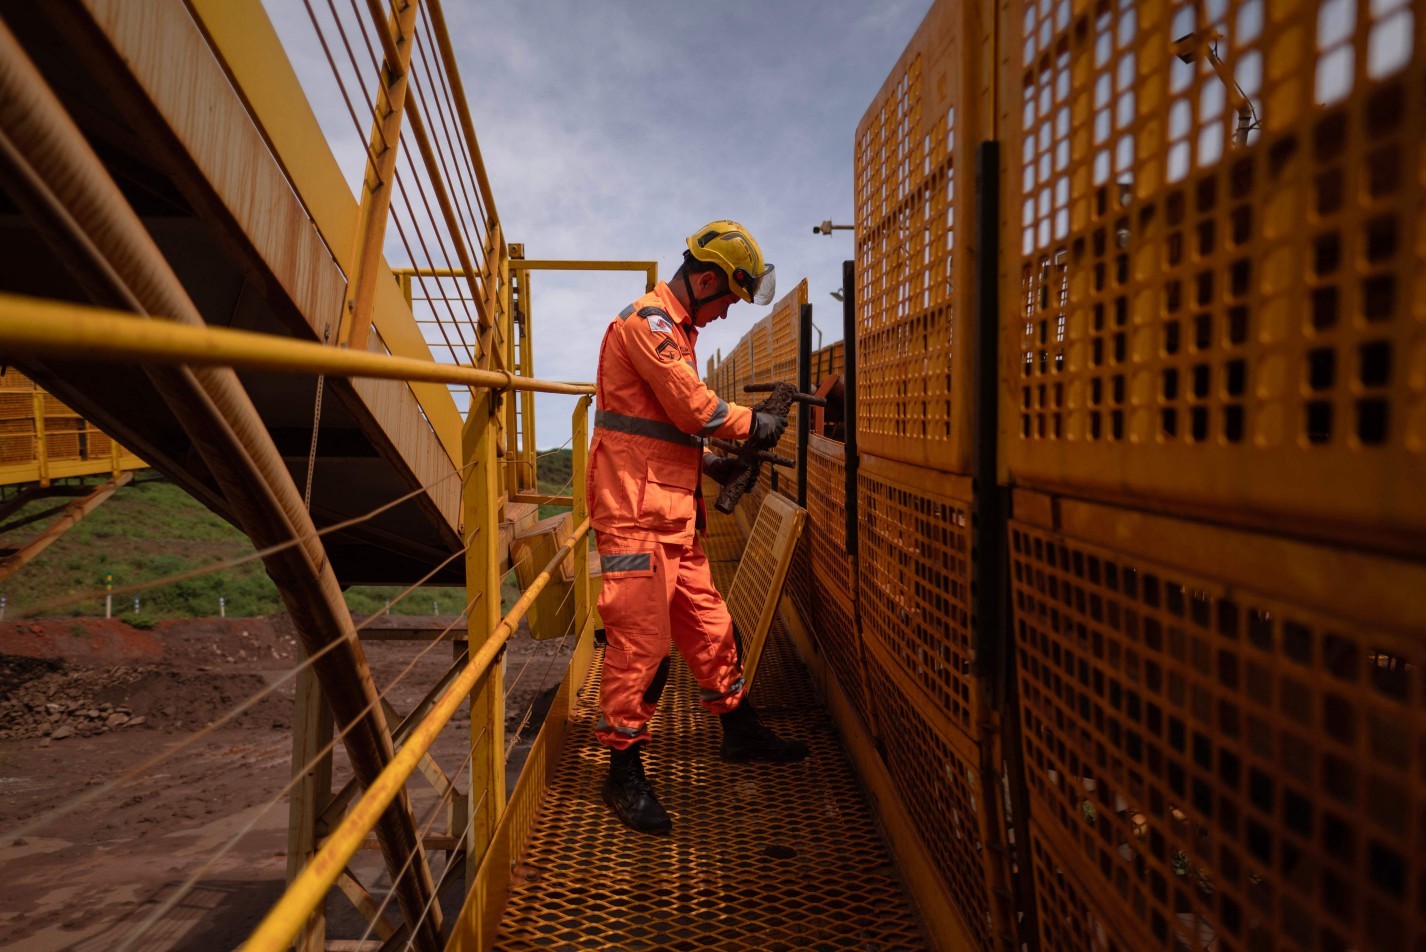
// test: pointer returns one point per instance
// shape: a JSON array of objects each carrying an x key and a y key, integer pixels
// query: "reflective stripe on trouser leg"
[
  {"x": 703, "y": 631},
  {"x": 633, "y": 602}
]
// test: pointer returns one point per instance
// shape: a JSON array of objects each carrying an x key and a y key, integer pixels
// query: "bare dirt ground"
[{"x": 83, "y": 701}]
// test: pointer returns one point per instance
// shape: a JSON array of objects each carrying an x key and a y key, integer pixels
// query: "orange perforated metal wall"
[
  {"x": 1218, "y": 758},
  {"x": 1212, "y": 426},
  {"x": 1232, "y": 328},
  {"x": 913, "y": 583},
  {"x": 912, "y": 177}
]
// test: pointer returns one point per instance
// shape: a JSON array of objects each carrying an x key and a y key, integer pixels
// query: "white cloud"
[{"x": 612, "y": 129}]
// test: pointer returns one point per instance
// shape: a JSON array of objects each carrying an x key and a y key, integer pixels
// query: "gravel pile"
[{"x": 39, "y": 698}]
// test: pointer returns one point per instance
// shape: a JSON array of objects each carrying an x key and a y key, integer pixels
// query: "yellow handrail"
[
  {"x": 310, "y": 887},
  {"x": 79, "y": 332}
]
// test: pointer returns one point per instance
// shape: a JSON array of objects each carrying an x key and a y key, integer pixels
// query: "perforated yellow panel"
[
  {"x": 17, "y": 441},
  {"x": 17, "y": 418},
  {"x": 761, "y": 857},
  {"x": 827, "y": 519},
  {"x": 1065, "y": 921},
  {"x": 834, "y": 571},
  {"x": 1233, "y": 326},
  {"x": 914, "y": 585},
  {"x": 827, "y": 361},
  {"x": 936, "y": 773},
  {"x": 783, "y": 326},
  {"x": 68, "y": 438},
  {"x": 912, "y": 189},
  {"x": 757, "y": 585},
  {"x": 1214, "y": 767},
  {"x": 834, "y": 623}
]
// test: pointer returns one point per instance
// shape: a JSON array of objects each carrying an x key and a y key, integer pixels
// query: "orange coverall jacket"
[
  {"x": 651, "y": 412},
  {"x": 643, "y": 489}
]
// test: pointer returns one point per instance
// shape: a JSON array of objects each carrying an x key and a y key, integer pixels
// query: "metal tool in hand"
[{"x": 750, "y": 452}]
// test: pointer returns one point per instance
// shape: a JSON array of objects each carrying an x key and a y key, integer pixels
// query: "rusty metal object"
[{"x": 750, "y": 452}]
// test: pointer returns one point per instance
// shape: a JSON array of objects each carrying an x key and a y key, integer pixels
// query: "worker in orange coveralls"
[{"x": 646, "y": 508}]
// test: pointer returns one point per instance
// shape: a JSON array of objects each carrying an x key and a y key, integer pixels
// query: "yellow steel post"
[
  {"x": 116, "y": 452},
  {"x": 579, "y": 440},
  {"x": 311, "y": 735},
  {"x": 403, "y": 281},
  {"x": 481, "y": 500},
  {"x": 398, "y": 37},
  {"x": 42, "y": 459},
  {"x": 527, "y": 402},
  {"x": 514, "y": 479},
  {"x": 494, "y": 251},
  {"x": 503, "y": 321}
]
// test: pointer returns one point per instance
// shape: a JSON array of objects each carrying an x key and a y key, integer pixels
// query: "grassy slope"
[{"x": 153, "y": 529}]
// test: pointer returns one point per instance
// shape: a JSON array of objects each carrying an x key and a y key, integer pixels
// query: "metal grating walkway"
[{"x": 761, "y": 857}]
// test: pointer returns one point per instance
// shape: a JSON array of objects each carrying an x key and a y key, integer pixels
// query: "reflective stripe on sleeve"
[
  {"x": 638, "y": 426},
  {"x": 626, "y": 312},
  {"x": 719, "y": 417},
  {"x": 626, "y": 562}
]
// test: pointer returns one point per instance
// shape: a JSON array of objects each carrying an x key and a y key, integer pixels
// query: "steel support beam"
[
  {"x": 398, "y": 39},
  {"x": 75, "y": 511}
]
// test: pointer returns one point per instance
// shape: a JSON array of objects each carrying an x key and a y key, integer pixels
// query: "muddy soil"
[{"x": 190, "y": 852}]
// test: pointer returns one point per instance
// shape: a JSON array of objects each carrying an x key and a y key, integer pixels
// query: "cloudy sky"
[{"x": 614, "y": 128}]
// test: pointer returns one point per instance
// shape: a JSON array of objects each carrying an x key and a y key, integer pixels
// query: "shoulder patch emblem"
[
  {"x": 659, "y": 321},
  {"x": 667, "y": 350}
]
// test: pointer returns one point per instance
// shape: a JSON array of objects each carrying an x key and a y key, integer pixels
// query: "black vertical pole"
[
  {"x": 994, "y": 618},
  {"x": 804, "y": 412},
  {"x": 849, "y": 395},
  {"x": 991, "y": 509}
]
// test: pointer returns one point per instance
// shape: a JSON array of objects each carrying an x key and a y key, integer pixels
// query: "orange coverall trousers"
[{"x": 654, "y": 593}]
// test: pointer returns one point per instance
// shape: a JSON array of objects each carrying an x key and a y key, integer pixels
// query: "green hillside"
[{"x": 151, "y": 529}]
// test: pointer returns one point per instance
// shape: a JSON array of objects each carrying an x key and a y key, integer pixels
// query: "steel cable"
[
  {"x": 248, "y": 703},
  {"x": 433, "y": 35},
  {"x": 297, "y": 776},
  {"x": 221, "y": 721},
  {"x": 297, "y": 539},
  {"x": 430, "y": 822},
  {"x": 466, "y": 185}
]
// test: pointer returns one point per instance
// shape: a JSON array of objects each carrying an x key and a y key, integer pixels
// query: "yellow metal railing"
[
  {"x": 39, "y": 328},
  {"x": 78, "y": 332},
  {"x": 425, "y": 199},
  {"x": 285, "y": 919},
  {"x": 518, "y": 422}
]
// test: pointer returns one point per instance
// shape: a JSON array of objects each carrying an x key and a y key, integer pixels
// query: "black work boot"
[
  {"x": 746, "y": 739},
  {"x": 629, "y": 795}
]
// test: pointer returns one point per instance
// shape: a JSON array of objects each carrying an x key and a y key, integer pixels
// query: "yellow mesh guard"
[
  {"x": 761, "y": 857},
  {"x": 1212, "y": 759},
  {"x": 757, "y": 586}
]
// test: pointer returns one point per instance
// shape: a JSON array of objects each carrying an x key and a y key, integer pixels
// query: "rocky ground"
[{"x": 195, "y": 842}]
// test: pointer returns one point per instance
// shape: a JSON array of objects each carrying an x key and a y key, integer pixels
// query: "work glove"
[
  {"x": 722, "y": 469},
  {"x": 767, "y": 428}
]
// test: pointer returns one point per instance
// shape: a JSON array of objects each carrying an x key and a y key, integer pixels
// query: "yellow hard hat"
[{"x": 728, "y": 245}]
